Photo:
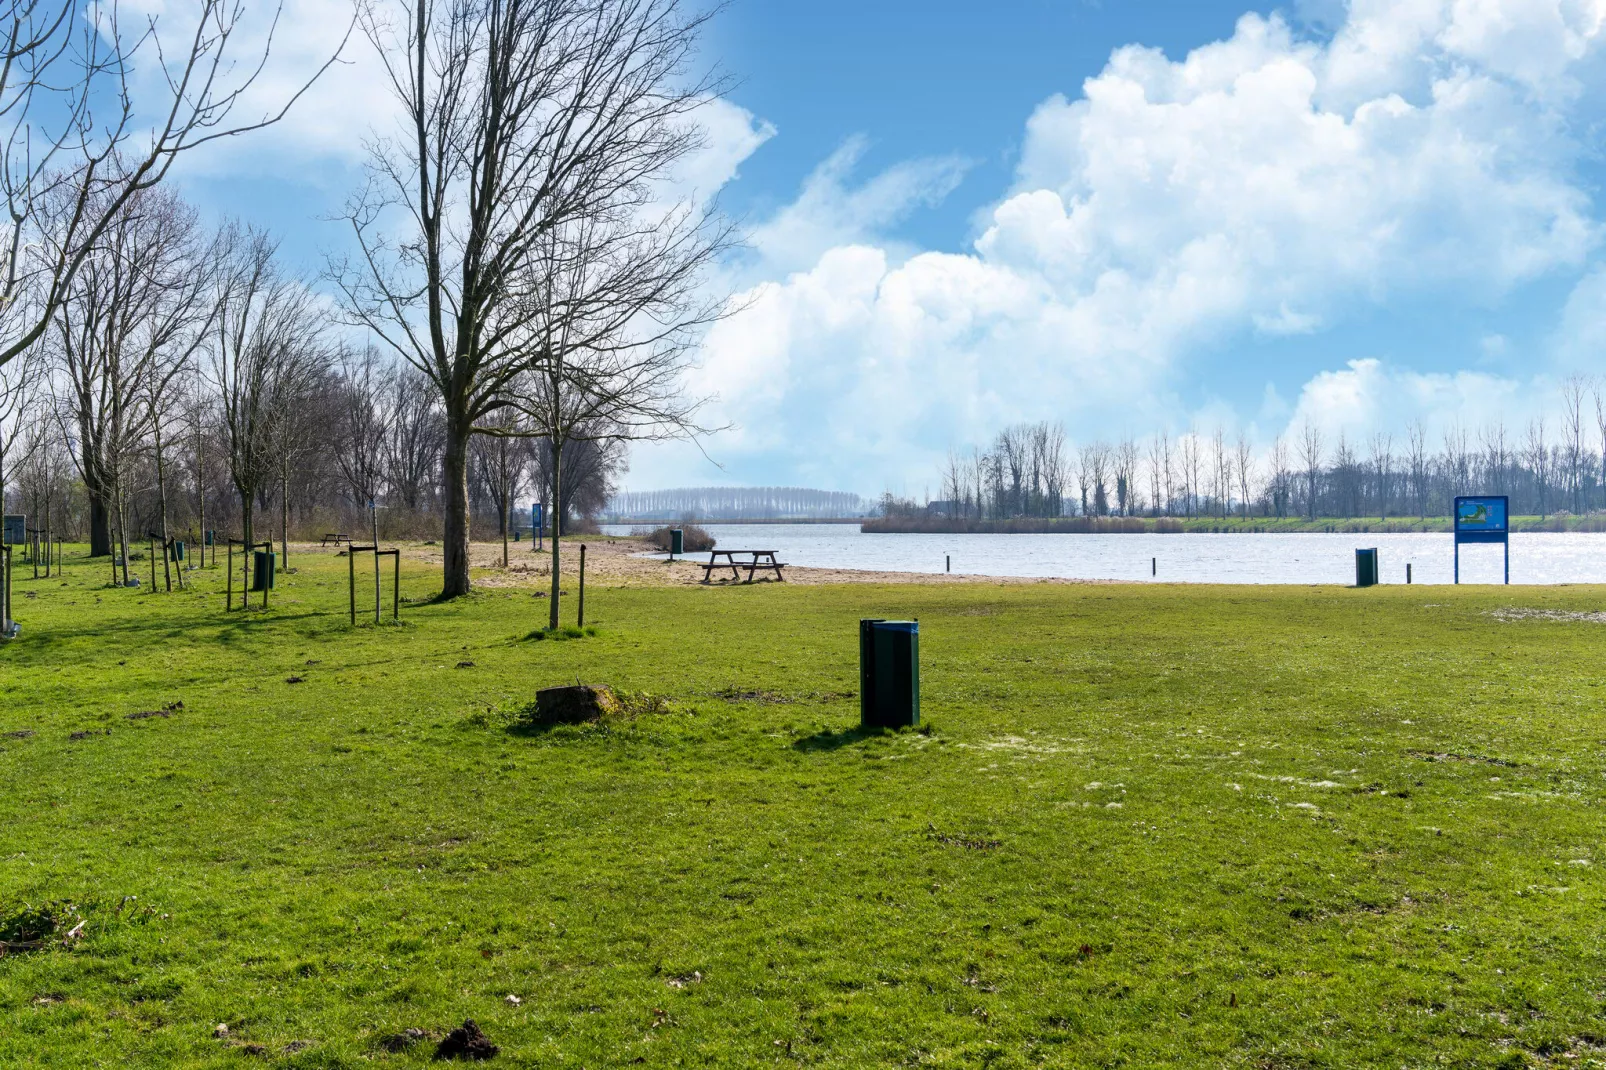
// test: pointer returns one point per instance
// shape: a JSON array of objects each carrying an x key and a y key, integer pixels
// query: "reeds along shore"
[{"x": 1167, "y": 525}]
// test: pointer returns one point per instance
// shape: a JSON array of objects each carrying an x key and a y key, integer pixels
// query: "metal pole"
[
  {"x": 947, "y": 562},
  {"x": 1154, "y": 566},
  {"x": 582, "y": 620},
  {"x": 229, "y": 604},
  {"x": 1506, "y": 542},
  {"x": 152, "y": 541},
  {"x": 395, "y": 585},
  {"x": 351, "y": 580},
  {"x": 1407, "y": 572},
  {"x": 1458, "y": 561},
  {"x": 268, "y": 580}
]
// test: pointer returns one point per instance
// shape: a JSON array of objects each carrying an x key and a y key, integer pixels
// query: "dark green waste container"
[
  {"x": 262, "y": 569},
  {"x": 1366, "y": 567},
  {"x": 889, "y": 673},
  {"x": 677, "y": 542},
  {"x": 209, "y": 537},
  {"x": 178, "y": 550}
]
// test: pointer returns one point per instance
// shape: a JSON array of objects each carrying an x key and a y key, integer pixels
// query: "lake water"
[{"x": 1540, "y": 558}]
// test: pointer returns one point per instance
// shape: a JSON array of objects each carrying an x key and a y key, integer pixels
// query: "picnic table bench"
[
  {"x": 755, "y": 561},
  {"x": 336, "y": 538}
]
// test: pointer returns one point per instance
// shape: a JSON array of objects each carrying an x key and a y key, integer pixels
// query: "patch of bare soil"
[
  {"x": 1516, "y": 613},
  {"x": 619, "y": 561}
]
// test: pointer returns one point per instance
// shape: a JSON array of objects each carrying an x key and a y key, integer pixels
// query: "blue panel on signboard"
[
  {"x": 15, "y": 530},
  {"x": 1485, "y": 514}
]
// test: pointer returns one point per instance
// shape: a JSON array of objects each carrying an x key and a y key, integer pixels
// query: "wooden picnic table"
[
  {"x": 755, "y": 561},
  {"x": 336, "y": 538}
]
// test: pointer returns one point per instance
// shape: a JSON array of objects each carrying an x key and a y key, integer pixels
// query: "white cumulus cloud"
[{"x": 1262, "y": 184}]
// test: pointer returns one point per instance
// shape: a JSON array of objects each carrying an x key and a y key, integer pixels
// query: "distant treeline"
[
  {"x": 734, "y": 503},
  {"x": 1111, "y": 525},
  {"x": 1556, "y": 463},
  {"x": 1067, "y": 525}
]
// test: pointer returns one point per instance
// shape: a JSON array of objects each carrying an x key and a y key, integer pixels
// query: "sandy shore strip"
[{"x": 616, "y": 561}]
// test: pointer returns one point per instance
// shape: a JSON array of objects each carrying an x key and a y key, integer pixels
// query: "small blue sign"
[{"x": 15, "y": 530}]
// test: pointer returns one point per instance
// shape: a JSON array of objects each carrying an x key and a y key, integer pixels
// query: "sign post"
[
  {"x": 1483, "y": 518},
  {"x": 538, "y": 522}
]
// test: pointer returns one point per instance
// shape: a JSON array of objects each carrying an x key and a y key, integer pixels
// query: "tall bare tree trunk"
[
  {"x": 373, "y": 519},
  {"x": 246, "y": 531},
  {"x": 454, "y": 494},
  {"x": 161, "y": 510},
  {"x": 200, "y": 495},
  {"x": 284, "y": 509},
  {"x": 122, "y": 530},
  {"x": 100, "y": 531},
  {"x": 557, "y": 527}
]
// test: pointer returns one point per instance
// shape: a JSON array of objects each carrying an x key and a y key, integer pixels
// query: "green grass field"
[{"x": 1144, "y": 826}]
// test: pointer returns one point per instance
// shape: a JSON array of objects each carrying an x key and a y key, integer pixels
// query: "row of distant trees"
[
  {"x": 528, "y": 278},
  {"x": 719, "y": 503},
  {"x": 1556, "y": 462}
]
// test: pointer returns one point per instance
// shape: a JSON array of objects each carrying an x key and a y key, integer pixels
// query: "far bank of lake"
[{"x": 1202, "y": 525}]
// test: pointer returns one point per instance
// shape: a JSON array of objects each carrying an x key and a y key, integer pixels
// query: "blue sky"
[{"x": 1121, "y": 216}]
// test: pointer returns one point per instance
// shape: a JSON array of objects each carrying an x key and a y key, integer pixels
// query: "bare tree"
[
  {"x": 1244, "y": 466},
  {"x": 413, "y": 445},
  {"x": 1457, "y": 460},
  {"x": 1281, "y": 477},
  {"x": 1382, "y": 469},
  {"x": 1573, "y": 389},
  {"x": 523, "y": 120},
  {"x": 364, "y": 430},
  {"x": 1496, "y": 456},
  {"x": 21, "y": 395},
  {"x": 1310, "y": 455},
  {"x": 266, "y": 337},
  {"x": 1599, "y": 391},
  {"x": 619, "y": 310},
  {"x": 1220, "y": 468},
  {"x": 1126, "y": 468},
  {"x": 74, "y": 153},
  {"x": 501, "y": 462},
  {"x": 1417, "y": 452},
  {"x": 125, "y": 330},
  {"x": 1537, "y": 456}
]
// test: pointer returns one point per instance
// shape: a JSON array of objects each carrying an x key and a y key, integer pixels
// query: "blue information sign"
[
  {"x": 538, "y": 522},
  {"x": 15, "y": 530},
  {"x": 1482, "y": 518}
]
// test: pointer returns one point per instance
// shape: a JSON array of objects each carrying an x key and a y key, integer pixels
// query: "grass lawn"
[{"x": 1146, "y": 825}]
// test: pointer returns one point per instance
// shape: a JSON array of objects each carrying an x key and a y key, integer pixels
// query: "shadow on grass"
[{"x": 828, "y": 740}]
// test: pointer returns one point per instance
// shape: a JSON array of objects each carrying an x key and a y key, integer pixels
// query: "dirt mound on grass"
[{"x": 466, "y": 1042}]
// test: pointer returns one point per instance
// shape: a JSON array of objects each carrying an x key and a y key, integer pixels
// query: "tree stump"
[{"x": 579, "y": 704}]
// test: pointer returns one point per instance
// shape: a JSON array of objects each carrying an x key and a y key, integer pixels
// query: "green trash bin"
[
  {"x": 889, "y": 673},
  {"x": 178, "y": 550},
  {"x": 677, "y": 542},
  {"x": 1366, "y": 567},
  {"x": 262, "y": 570}
]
